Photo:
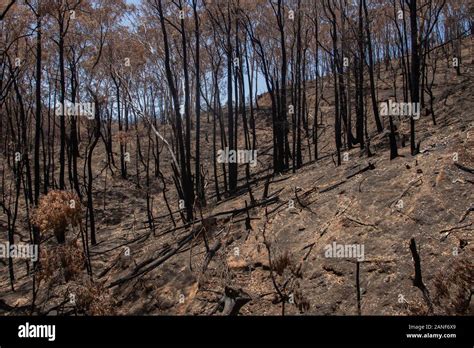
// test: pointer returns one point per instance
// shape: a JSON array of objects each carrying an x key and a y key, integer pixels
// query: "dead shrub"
[
  {"x": 453, "y": 292},
  {"x": 62, "y": 262},
  {"x": 93, "y": 299},
  {"x": 56, "y": 211}
]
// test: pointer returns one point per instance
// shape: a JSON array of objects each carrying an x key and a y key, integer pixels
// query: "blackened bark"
[
  {"x": 371, "y": 70},
  {"x": 415, "y": 71}
]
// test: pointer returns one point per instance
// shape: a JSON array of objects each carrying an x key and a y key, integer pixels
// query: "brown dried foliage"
[
  {"x": 56, "y": 211},
  {"x": 123, "y": 137},
  {"x": 62, "y": 263},
  {"x": 94, "y": 299}
]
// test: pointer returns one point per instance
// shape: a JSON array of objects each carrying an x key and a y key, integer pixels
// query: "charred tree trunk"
[
  {"x": 415, "y": 71},
  {"x": 371, "y": 70}
]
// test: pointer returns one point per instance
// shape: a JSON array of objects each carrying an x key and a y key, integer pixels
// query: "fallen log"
[
  {"x": 370, "y": 166},
  {"x": 210, "y": 254},
  {"x": 332, "y": 187},
  {"x": 466, "y": 213},
  {"x": 232, "y": 212},
  {"x": 151, "y": 263},
  {"x": 410, "y": 185},
  {"x": 464, "y": 168}
]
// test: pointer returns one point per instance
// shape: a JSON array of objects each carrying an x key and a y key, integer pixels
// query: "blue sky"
[{"x": 261, "y": 80}]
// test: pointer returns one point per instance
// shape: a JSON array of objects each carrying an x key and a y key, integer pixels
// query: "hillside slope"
[{"x": 371, "y": 202}]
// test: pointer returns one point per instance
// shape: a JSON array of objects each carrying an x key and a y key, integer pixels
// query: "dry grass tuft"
[{"x": 281, "y": 262}]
